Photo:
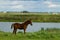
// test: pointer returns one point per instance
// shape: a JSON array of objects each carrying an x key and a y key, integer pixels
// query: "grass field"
[
  {"x": 48, "y": 34},
  {"x": 43, "y": 34},
  {"x": 36, "y": 17}
]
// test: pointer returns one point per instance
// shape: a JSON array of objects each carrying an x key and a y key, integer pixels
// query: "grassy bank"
[
  {"x": 37, "y": 17},
  {"x": 48, "y": 34}
]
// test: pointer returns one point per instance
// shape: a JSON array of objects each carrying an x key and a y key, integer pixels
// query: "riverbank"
[
  {"x": 21, "y": 17},
  {"x": 48, "y": 34}
]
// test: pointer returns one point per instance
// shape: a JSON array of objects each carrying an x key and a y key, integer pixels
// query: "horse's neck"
[{"x": 26, "y": 23}]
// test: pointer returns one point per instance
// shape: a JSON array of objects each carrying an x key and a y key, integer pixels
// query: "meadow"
[
  {"x": 36, "y": 17},
  {"x": 43, "y": 34}
]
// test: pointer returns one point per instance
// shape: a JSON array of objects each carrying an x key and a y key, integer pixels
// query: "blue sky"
[{"x": 30, "y": 5}]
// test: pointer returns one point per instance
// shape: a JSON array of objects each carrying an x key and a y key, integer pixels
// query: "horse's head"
[{"x": 30, "y": 21}]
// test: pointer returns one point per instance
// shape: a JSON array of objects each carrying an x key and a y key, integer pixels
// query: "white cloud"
[
  {"x": 17, "y": 7},
  {"x": 14, "y": 2},
  {"x": 47, "y": 2},
  {"x": 9, "y": 2},
  {"x": 51, "y": 4},
  {"x": 12, "y": 5}
]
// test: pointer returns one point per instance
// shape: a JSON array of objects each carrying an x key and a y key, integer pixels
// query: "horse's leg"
[
  {"x": 24, "y": 31},
  {"x": 15, "y": 31}
]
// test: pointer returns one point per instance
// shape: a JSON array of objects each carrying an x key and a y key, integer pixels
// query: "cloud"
[
  {"x": 51, "y": 4},
  {"x": 20, "y": 0},
  {"x": 17, "y": 7},
  {"x": 13, "y": 4},
  {"x": 36, "y": 6}
]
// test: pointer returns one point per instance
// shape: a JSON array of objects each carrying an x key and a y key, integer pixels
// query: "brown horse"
[{"x": 21, "y": 26}]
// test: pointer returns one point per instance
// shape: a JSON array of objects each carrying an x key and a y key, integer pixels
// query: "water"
[{"x": 6, "y": 26}]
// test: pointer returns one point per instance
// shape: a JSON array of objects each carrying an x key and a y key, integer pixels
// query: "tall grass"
[
  {"x": 35, "y": 18},
  {"x": 50, "y": 34}
]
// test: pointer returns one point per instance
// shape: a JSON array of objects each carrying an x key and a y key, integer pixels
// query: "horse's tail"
[{"x": 12, "y": 26}]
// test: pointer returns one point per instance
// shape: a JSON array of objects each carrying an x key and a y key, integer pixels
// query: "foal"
[{"x": 21, "y": 26}]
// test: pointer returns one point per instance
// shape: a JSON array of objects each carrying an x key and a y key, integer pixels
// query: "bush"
[{"x": 25, "y": 12}]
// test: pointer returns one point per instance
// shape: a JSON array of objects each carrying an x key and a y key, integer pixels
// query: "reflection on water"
[{"x": 6, "y": 26}]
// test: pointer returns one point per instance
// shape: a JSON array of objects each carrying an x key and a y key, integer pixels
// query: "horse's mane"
[{"x": 27, "y": 20}]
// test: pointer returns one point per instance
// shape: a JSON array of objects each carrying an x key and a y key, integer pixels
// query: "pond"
[{"x": 6, "y": 26}]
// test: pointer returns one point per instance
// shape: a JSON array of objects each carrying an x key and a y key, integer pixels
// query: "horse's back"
[{"x": 18, "y": 25}]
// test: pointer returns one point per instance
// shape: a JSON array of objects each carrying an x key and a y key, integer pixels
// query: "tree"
[{"x": 25, "y": 12}]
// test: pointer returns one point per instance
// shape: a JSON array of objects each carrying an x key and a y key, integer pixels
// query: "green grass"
[
  {"x": 50, "y": 34},
  {"x": 37, "y": 17}
]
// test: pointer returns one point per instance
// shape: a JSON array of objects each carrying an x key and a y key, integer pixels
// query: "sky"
[{"x": 30, "y": 5}]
